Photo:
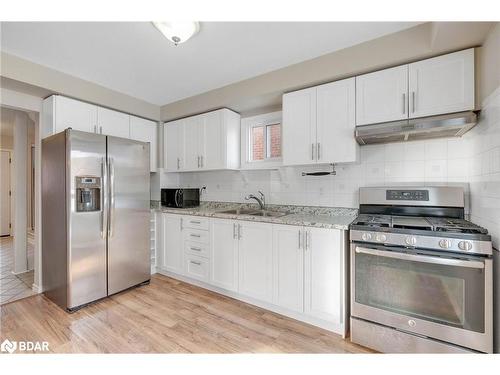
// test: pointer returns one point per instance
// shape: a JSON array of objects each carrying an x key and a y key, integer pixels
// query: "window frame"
[{"x": 247, "y": 124}]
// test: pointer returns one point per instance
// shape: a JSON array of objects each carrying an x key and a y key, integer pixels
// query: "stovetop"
[
  {"x": 433, "y": 233},
  {"x": 433, "y": 224}
]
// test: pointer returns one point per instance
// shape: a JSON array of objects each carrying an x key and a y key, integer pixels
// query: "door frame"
[
  {"x": 31, "y": 105},
  {"x": 9, "y": 151}
]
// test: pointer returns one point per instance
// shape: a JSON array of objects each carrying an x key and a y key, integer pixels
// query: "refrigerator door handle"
[
  {"x": 111, "y": 220},
  {"x": 104, "y": 197}
]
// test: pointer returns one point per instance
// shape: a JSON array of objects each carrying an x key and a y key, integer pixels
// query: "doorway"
[{"x": 17, "y": 137}]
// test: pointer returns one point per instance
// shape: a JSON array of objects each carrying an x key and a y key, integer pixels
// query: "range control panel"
[{"x": 407, "y": 195}]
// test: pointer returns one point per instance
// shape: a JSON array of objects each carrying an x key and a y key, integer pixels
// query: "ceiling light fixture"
[{"x": 177, "y": 32}]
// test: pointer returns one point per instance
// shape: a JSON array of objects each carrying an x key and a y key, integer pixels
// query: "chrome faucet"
[{"x": 261, "y": 201}]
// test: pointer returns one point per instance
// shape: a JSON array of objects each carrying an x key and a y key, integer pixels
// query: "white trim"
[
  {"x": 246, "y": 124},
  {"x": 36, "y": 289},
  {"x": 340, "y": 329}
]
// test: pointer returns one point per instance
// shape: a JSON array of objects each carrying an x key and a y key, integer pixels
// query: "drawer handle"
[
  {"x": 195, "y": 222},
  {"x": 195, "y": 248},
  {"x": 194, "y": 262},
  {"x": 195, "y": 235}
]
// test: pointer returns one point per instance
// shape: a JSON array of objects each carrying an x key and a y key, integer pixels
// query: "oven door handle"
[{"x": 421, "y": 258}]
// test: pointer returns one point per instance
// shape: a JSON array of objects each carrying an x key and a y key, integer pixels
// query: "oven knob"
[
  {"x": 445, "y": 244},
  {"x": 366, "y": 237},
  {"x": 381, "y": 237},
  {"x": 412, "y": 323},
  {"x": 465, "y": 245},
  {"x": 410, "y": 240}
]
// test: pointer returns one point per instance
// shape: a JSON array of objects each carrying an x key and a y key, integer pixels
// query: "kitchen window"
[{"x": 261, "y": 141}]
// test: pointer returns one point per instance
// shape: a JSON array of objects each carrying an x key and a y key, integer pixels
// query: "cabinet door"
[
  {"x": 288, "y": 267},
  {"x": 382, "y": 96},
  {"x": 255, "y": 260},
  {"x": 442, "y": 84},
  {"x": 145, "y": 131},
  {"x": 116, "y": 124},
  {"x": 323, "y": 275},
  {"x": 192, "y": 129},
  {"x": 74, "y": 114},
  {"x": 299, "y": 127},
  {"x": 174, "y": 145},
  {"x": 224, "y": 254},
  {"x": 172, "y": 255},
  {"x": 336, "y": 120},
  {"x": 213, "y": 145}
]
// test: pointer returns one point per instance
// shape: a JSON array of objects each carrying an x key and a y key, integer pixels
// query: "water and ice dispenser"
[{"x": 88, "y": 193}]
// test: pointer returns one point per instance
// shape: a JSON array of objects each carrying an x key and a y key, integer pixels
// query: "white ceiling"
[{"x": 135, "y": 59}]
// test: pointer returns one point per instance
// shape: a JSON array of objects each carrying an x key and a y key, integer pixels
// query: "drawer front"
[
  {"x": 195, "y": 222},
  {"x": 196, "y": 267},
  {"x": 197, "y": 249},
  {"x": 196, "y": 235}
]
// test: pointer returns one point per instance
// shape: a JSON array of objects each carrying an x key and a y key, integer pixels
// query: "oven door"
[{"x": 444, "y": 298}]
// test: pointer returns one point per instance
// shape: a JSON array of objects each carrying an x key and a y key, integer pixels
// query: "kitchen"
[{"x": 351, "y": 208}]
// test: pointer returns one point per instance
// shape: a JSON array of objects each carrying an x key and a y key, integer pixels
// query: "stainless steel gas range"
[{"x": 421, "y": 275}]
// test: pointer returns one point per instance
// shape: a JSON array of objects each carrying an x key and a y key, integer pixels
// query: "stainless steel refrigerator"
[{"x": 95, "y": 216}]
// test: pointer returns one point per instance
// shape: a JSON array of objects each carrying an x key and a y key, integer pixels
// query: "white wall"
[{"x": 431, "y": 162}]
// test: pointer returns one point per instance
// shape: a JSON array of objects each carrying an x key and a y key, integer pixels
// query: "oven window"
[{"x": 444, "y": 294}]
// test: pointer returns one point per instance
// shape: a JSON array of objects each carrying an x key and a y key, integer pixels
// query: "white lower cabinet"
[
  {"x": 324, "y": 274},
  {"x": 288, "y": 267},
  {"x": 224, "y": 267},
  {"x": 196, "y": 267},
  {"x": 255, "y": 260},
  {"x": 172, "y": 239},
  {"x": 294, "y": 270}
]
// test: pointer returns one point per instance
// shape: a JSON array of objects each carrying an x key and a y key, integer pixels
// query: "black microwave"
[{"x": 180, "y": 198}]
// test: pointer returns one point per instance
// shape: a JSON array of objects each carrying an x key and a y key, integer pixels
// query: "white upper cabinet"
[
  {"x": 324, "y": 275},
  {"x": 299, "y": 127},
  {"x": 318, "y": 124},
  {"x": 255, "y": 260},
  {"x": 440, "y": 85},
  {"x": 224, "y": 254},
  {"x": 443, "y": 84},
  {"x": 70, "y": 113},
  {"x": 145, "y": 131},
  {"x": 288, "y": 267},
  {"x": 116, "y": 124},
  {"x": 193, "y": 128},
  {"x": 335, "y": 122},
  {"x": 211, "y": 141},
  {"x": 382, "y": 96},
  {"x": 174, "y": 145},
  {"x": 212, "y": 145}
]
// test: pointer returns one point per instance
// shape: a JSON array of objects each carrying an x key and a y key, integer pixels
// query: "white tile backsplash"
[{"x": 484, "y": 167}]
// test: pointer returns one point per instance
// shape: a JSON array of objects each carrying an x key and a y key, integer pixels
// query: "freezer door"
[
  {"x": 129, "y": 214},
  {"x": 87, "y": 240}
]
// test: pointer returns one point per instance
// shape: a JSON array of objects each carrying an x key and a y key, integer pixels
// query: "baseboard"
[
  {"x": 20, "y": 272},
  {"x": 339, "y": 329}
]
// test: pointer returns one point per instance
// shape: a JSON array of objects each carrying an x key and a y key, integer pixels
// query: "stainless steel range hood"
[{"x": 450, "y": 125}]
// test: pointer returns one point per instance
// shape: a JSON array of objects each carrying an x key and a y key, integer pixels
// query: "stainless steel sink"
[
  {"x": 239, "y": 211},
  {"x": 266, "y": 213},
  {"x": 247, "y": 211}
]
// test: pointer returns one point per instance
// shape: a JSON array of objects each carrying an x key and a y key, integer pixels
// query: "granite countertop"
[{"x": 320, "y": 217}]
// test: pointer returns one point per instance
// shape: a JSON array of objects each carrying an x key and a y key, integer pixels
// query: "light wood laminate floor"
[{"x": 167, "y": 316}]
